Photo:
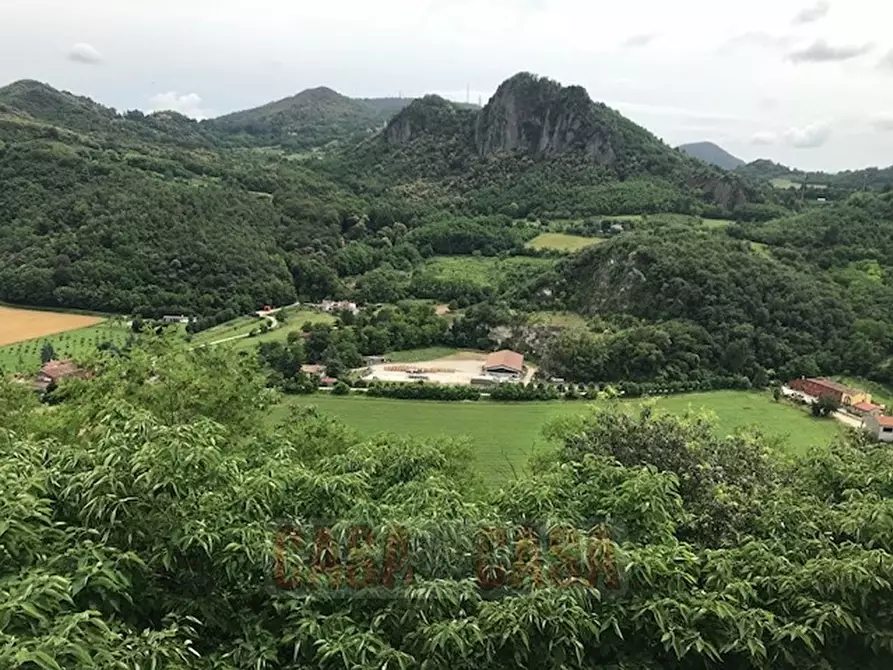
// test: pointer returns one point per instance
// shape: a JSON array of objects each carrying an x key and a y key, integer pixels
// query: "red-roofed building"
[
  {"x": 866, "y": 408},
  {"x": 505, "y": 363},
  {"x": 55, "y": 371},
  {"x": 879, "y": 426},
  {"x": 328, "y": 381},
  {"x": 825, "y": 388}
]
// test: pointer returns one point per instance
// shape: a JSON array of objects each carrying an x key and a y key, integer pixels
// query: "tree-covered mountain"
[
  {"x": 872, "y": 178},
  {"x": 312, "y": 118},
  {"x": 713, "y": 154},
  {"x": 538, "y": 146},
  {"x": 31, "y": 103},
  {"x": 119, "y": 213}
]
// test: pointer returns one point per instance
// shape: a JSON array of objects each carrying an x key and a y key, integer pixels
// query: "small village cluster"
[{"x": 855, "y": 402}]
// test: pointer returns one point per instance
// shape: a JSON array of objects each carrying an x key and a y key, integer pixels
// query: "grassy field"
[
  {"x": 417, "y": 355},
  {"x": 295, "y": 319},
  {"x": 562, "y": 319},
  {"x": 24, "y": 357},
  {"x": 240, "y": 326},
  {"x": 505, "y": 435},
  {"x": 483, "y": 270},
  {"x": 563, "y": 242}
]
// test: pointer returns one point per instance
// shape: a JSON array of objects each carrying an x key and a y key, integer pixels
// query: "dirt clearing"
[{"x": 18, "y": 325}]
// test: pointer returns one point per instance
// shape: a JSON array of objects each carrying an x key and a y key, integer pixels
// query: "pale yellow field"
[{"x": 17, "y": 325}]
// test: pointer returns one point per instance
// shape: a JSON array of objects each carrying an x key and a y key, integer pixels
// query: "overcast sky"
[{"x": 805, "y": 82}]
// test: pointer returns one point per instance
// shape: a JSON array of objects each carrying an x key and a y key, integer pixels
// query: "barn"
[
  {"x": 505, "y": 362},
  {"x": 825, "y": 388}
]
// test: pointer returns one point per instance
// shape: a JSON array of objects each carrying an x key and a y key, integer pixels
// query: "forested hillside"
[
  {"x": 872, "y": 178},
  {"x": 312, "y": 118},
  {"x": 537, "y": 146},
  {"x": 109, "y": 222},
  {"x": 159, "y": 213}
]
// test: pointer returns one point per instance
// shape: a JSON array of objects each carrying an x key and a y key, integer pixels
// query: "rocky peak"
[{"x": 539, "y": 117}]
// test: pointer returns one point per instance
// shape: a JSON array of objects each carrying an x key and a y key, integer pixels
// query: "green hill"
[
  {"x": 133, "y": 212},
  {"x": 312, "y": 118},
  {"x": 540, "y": 147},
  {"x": 712, "y": 154}
]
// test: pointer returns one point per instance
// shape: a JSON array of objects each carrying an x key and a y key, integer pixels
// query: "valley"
[{"x": 402, "y": 383}]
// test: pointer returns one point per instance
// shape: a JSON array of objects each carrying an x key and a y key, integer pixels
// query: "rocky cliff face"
[{"x": 540, "y": 118}]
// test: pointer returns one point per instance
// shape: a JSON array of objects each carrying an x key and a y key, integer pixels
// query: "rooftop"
[
  {"x": 510, "y": 360},
  {"x": 885, "y": 421},
  {"x": 56, "y": 370},
  {"x": 834, "y": 386}
]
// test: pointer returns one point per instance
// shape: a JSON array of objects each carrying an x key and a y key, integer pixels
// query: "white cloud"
[
  {"x": 759, "y": 39},
  {"x": 882, "y": 121},
  {"x": 805, "y": 137},
  {"x": 641, "y": 40},
  {"x": 764, "y": 139},
  {"x": 821, "y": 51},
  {"x": 808, "y": 137},
  {"x": 814, "y": 13},
  {"x": 84, "y": 53},
  {"x": 189, "y": 104}
]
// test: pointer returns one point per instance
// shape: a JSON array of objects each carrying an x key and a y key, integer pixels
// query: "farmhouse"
[
  {"x": 879, "y": 427},
  {"x": 825, "y": 388},
  {"x": 867, "y": 408},
  {"x": 505, "y": 362},
  {"x": 175, "y": 318},
  {"x": 339, "y": 306},
  {"x": 55, "y": 371}
]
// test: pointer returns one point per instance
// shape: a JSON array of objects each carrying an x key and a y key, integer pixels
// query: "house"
[
  {"x": 825, "y": 388},
  {"x": 328, "y": 381},
  {"x": 505, "y": 362},
  {"x": 879, "y": 427},
  {"x": 339, "y": 306},
  {"x": 170, "y": 318},
  {"x": 867, "y": 408},
  {"x": 55, "y": 371},
  {"x": 313, "y": 370}
]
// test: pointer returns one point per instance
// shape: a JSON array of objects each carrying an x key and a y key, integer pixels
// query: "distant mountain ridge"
[
  {"x": 847, "y": 180},
  {"x": 311, "y": 118},
  {"x": 713, "y": 154}
]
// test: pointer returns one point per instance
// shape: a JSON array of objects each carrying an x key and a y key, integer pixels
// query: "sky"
[{"x": 808, "y": 83}]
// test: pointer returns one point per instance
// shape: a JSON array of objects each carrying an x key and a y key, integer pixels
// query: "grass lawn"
[
  {"x": 295, "y": 320},
  {"x": 562, "y": 319},
  {"x": 238, "y": 326},
  {"x": 418, "y": 355},
  {"x": 24, "y": 357},
  {"x": 484, "y": 270},
  {"x": 504, "y": 435},
  {"x": 563, "y": 242}
]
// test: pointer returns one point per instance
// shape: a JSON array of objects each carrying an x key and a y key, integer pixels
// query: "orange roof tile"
[{"x": 510, "y": 360}]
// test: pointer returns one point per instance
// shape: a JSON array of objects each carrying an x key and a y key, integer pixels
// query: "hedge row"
[{"x": 424, "y": 392}]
